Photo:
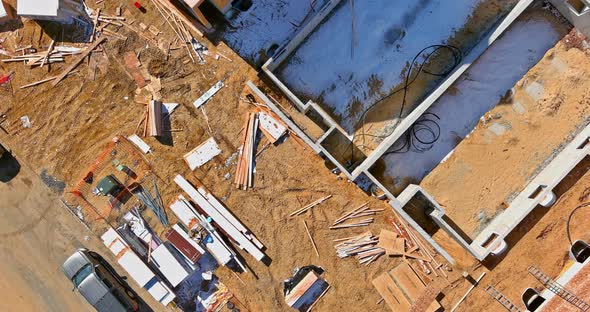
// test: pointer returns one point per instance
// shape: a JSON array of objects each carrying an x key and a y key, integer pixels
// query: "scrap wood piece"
[
  {"x": 46, "y": 58},
  {"x": 137, "y": 141},
  {"x": 132, "y": 65},
  {"x": 270, "y": 127},
  {"x": 202, "y": 154},
  {"x": 154, "y": 120},
  {"x": 207, "y": 95},
  {"x": 387, "y": 241},
  {"x": 311, "y": 239},
  {"x": 310, "y": 206},
  {"x": 78, "y": 60}
]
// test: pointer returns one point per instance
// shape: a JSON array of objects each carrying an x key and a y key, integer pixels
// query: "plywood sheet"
[
  {"x": 202, "y": 154},
  {"x": 392, "y": 295}
]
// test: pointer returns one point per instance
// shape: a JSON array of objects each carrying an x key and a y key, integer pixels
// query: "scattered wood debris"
[
  {"x": 362, "y": 246},
  {"x": 308, "y": 207},
  {"x": 315, "y": 248},
  {"x": 74, "y": 64},
  {"x": 414, "y": 243},
  {"x": 362, "y": 211}
]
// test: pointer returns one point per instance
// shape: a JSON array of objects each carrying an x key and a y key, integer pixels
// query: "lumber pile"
[
  {"x": 154, "y": 119},
  {"x": 363, "y": 247},
  {"x": 361, "y": 211},
  {"x": 309, "y": 206},
  {"x": 224, "y": 220},
  {"x": 401, "y": 288},
  {"x": 271, "y": 128},
  {"x": 245, "y": 167},
  {"x": 425, "y": 254},
  {"x": 52, "y": 55}
]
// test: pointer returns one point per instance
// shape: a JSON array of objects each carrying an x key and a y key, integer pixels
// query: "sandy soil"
[
  {"x": 547, "y": 108},
  {"x": 541, "y": 241},
  {"x": 72, "y": 123}
]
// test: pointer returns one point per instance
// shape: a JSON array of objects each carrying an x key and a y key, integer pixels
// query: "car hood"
[
  {"x": 99, "y": 296},
  {"x": 73, "y": 264}
]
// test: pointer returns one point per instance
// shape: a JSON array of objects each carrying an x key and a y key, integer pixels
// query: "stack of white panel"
[{"x": 136, "y": 268}]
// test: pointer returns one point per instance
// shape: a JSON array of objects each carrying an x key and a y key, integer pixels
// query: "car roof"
[
  {"x": 99, "y": 296},
  {"x": 74, "y": 263}
]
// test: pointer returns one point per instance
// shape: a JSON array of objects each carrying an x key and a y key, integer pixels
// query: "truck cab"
[{"x": 98, "y": 283}]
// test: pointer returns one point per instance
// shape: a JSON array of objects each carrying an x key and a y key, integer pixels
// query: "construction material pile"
[
  {"x": 363, "y": 247},
  {"x": 272, "y": 130}
]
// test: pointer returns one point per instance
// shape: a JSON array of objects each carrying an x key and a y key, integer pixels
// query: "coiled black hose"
[{"x": 422, "y": 135}]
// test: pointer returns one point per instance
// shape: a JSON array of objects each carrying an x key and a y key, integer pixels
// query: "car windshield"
[{"x": 82, "y": 274}]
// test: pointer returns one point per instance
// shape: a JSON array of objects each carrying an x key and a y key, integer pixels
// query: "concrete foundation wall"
[{"x": 569, "y": 9}]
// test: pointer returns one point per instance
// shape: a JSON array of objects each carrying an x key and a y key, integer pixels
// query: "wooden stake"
[
  {"x": 311, "y": 239},
  {"x": 468, "y": 291}
]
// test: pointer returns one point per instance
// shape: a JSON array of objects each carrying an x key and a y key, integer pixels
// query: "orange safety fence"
[{"x": 119, "y": 151}]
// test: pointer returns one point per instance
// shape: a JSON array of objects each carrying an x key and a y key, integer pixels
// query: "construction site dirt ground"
[
  {"x": 515, "y": 140},
  {"x": 72, "y": 123}
]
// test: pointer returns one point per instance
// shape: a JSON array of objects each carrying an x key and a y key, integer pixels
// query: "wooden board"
[
  {"x": 407, "y": 281},
  {"x": 299, "y": 290},
  {"x": 155, "y": 118},
  {"x": 401, "y": 287},
  {"x": 394, "y": 298},
  {"x": 387, "y": 241}
]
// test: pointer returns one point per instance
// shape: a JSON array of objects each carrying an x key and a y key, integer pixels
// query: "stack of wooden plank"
[
  {"x": 272, "y": 129},
  {"x": 245, "y": 168},
  {"x": 154, "y": 120},
  {"x": 224, "y": 220},
  {"x": 362, "y": 246},
  {"x": 426, "y": 255},
  {"x": 401, "y": 288},
  {"x": 362, "y": 211},
  {"x": 52, "y": 55}
]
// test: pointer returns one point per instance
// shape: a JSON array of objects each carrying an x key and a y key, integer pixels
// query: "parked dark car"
[{"x": 98, "y": 283}]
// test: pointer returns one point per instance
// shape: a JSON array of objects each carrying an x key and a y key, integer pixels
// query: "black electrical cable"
[
  {"x": 428, "y": 122},
  {"x": 567, "y": 224}
]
